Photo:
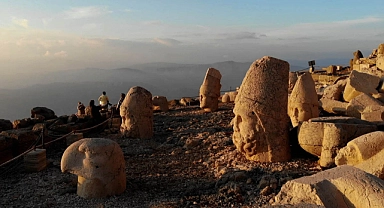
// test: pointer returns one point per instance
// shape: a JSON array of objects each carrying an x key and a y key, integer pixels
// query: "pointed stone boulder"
[{"x": 303, "y": 104}]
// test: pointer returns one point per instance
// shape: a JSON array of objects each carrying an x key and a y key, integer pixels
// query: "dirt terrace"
[{"x": 190, "y": 162}]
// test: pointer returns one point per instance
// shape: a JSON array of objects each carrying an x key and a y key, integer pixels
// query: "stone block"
[
  {"x": 333, "y": 106},
  {"x": 6, "y": 148},
  {"x": 23, "y": 138},
  {"x": 380, "y": 61},
  {"x": 356, "y": 66},
  {"x": 357, "y": 105},
  {"x": 324, "y": 136},
  {"x": 35, "y": 160},
  {"x": 359, "y": 83},
  {"x": 335, "y": 91},
  {"x": 373, "y": 113}
]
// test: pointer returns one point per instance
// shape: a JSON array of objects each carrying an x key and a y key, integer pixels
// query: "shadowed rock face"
[
  {"x": 261, "y": 122},
  {"x": 99, "y": 164},
  {"x": 137, "y": 113}
]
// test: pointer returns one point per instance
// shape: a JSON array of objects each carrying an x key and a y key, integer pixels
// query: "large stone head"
[
  {"x": 261, "y": 123},
  {"x": 136, "y": 112},
  {"x": 99, "y": 164},
  {"x": 210, "y": 90}
]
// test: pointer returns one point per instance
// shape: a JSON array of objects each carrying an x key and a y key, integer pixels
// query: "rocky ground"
[{"x": 191, "y": 162}]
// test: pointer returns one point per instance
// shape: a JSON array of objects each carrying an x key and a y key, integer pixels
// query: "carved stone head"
[
  {"x": 136, "y": 112},
  {"x": 210, "y": 90},
  {"x": 260, "y": 125},
  {"x": 99, "y": 164}
]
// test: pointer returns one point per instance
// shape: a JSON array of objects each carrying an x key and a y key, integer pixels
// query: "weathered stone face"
[
  {"x": 210, "y": 90},
  {"x": 303, "y": 104},
  {"x": 99, "y": 164},
  {"x": 136, "y": 112},
  {"x": 261, "y": 123}
]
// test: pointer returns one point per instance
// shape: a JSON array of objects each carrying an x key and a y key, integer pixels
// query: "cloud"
[
  {"x": 86, "y": 12},
  {"x": 166, "y": 41},
  {"x": 365, "y": 20},
  {"x": 153, "y": 22},
  {"x": 47, "y": 53},
  {"x": 91, "y": 26},
  {"x": 127, "y": 10},
  {"x": 327, "y": 30},
  {"x": 242, "y": 35},
  {"x": 90, "y": 42},
  {"x": 61, "y": 54},
  {"x": 20, "y": 22},
  {"x": 46, "y": 21}
]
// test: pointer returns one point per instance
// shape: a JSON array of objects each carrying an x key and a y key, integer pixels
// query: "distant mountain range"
[{"x": 61, "y": 90}]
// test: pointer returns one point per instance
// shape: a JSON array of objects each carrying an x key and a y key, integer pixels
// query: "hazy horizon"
[
  {"x": 42, "y": 36},
  {"x": 45, "y": 42}
]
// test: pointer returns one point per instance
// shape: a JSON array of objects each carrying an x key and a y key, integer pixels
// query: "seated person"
[
  {"x": 80, "y": 109},
  {"x": 104, "y": 101}
]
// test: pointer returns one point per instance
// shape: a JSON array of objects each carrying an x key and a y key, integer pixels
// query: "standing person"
[
  {"x": 104, "y": 100},
  {"x": 122, "y": 96}
]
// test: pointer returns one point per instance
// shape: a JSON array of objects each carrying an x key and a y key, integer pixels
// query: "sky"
[{"x": 39, "y": 36}]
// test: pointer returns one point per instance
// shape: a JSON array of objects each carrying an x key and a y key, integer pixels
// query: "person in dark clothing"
[
  {"x": 95, "y": 112},
  {"x": 122, "y": 96}
]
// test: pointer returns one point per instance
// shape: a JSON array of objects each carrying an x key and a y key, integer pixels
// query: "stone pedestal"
[{"x": 35, "y": 160}]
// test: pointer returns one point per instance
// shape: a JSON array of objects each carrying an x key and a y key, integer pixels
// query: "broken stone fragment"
[
  {"x": 343, "y": 186},
  {"x": 359, "y": 83}
]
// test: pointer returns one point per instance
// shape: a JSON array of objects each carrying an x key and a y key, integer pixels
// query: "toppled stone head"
[{"x": 99, "y": 164}]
